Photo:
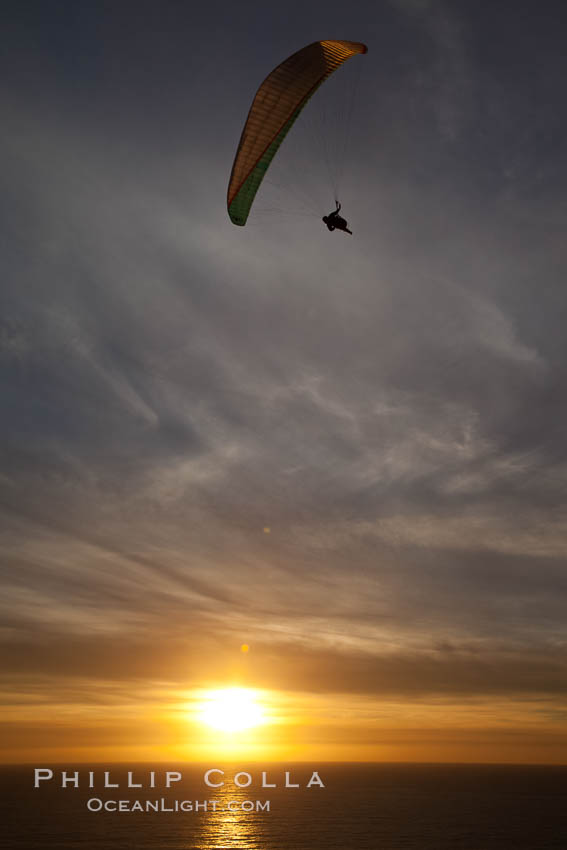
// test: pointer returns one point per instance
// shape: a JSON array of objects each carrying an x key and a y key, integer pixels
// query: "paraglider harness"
[{"x": 336, "y": 222}]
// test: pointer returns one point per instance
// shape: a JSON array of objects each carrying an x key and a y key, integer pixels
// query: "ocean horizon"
[{"x": 337, "y": 806}]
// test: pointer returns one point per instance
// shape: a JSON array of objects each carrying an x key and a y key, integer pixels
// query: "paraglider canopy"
[{"x": 276, "y": 106}]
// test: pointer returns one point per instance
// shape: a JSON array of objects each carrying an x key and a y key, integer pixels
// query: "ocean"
[{"x": 361, "y": 807}]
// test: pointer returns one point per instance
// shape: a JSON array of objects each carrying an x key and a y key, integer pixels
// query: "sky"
[{"x": 346, "y": 452}]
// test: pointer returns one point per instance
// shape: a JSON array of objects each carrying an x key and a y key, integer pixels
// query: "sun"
[{"x": 231, "y": 709}]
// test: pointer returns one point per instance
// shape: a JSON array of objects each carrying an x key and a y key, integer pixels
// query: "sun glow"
[{"x": 231, "y": 710}]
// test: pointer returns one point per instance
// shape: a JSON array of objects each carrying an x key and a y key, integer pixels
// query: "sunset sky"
[{"x": 347, "y": 453}]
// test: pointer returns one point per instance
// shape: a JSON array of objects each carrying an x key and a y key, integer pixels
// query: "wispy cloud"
[{"x": 348, "y": 453}]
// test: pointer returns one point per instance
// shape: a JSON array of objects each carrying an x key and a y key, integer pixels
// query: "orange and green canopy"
[{"x": 277, "y": 103}]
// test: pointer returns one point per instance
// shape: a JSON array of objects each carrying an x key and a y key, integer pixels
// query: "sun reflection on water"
[{"x": 231, "y": 827}]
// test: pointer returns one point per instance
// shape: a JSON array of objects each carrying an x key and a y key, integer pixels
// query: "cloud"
[{"x": 390, "y": 406}]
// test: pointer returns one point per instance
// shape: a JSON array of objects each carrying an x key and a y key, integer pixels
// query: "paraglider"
[
  {"x": 276, "y": 105},
  {"x": 336, "y": 222}
]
